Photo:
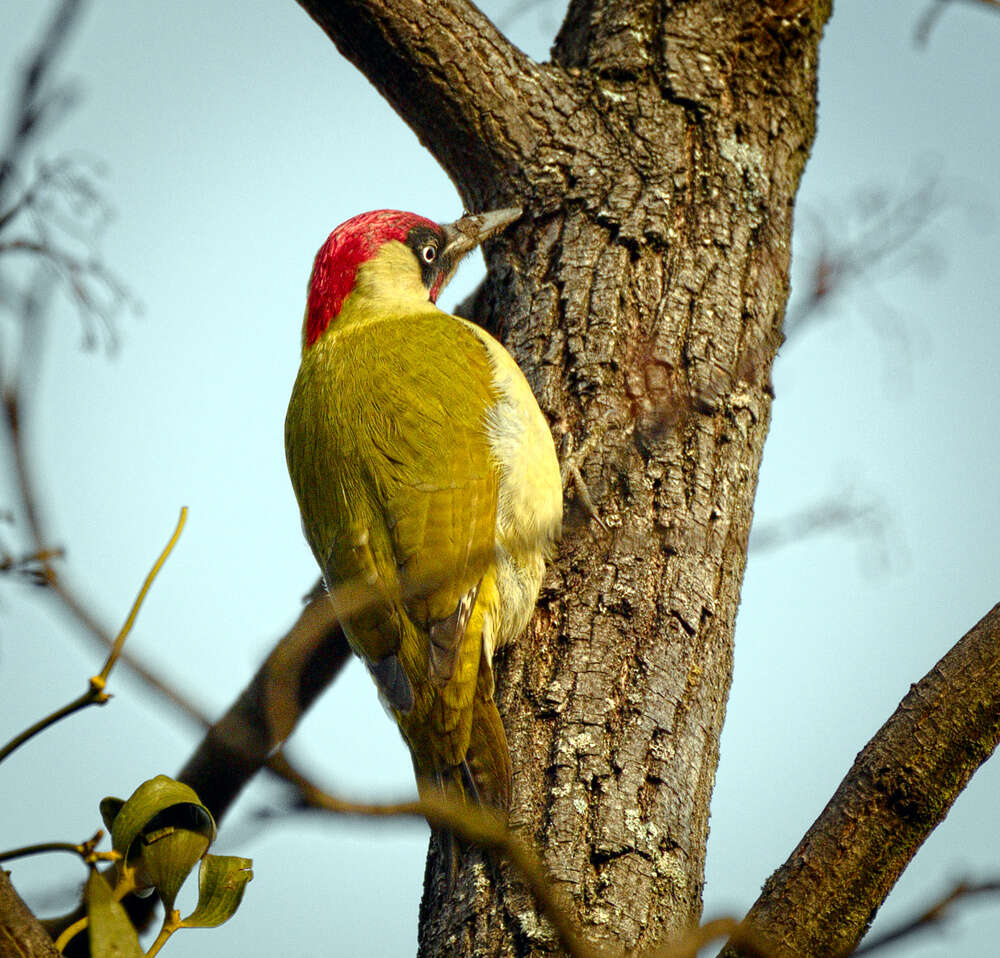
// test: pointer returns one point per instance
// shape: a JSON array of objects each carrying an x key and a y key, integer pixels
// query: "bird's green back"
[{"x": 397, "y": 472}]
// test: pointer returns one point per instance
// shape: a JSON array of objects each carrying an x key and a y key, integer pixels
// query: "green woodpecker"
[{"x": 428, "y": 485}]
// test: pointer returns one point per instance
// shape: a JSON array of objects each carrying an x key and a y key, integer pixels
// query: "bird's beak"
[{"x": 467, "y": 233}]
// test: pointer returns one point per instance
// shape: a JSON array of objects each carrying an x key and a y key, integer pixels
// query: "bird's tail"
[
  {"x": 486, "y": 769},
  {"x": 483, "y": 777}
]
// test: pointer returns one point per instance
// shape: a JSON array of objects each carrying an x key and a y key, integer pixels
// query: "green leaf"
[
  {"x": 167, "y": 859},
  {"x": 111, "y": 933},
  {"x": 151, "y": 799},
  {"x": 221, "y": 883},
  {"x": 161, "y": 832},
  {"x": 110, "y": 807}
]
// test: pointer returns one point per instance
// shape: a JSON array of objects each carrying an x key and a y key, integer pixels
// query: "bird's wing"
[
  {"x": 418, "y": 508},
  {"x": 390, "y": 456}
]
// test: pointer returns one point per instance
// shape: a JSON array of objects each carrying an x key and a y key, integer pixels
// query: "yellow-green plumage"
[{"x": 429, "y": 492}]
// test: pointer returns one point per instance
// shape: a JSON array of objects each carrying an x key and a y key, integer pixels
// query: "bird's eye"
[{"x": 428, "y": 253}]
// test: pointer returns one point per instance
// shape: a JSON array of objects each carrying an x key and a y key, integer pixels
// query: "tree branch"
[
  {"x": 37, "y": 102},
  {"x": 821, "y": 901},
  {"x": 302, "y": 664},
  {"x": 451, "y": 75},
  {"x": 21, "y": 933}
]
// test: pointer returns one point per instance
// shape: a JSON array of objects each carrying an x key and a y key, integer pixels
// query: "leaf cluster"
[{"x": 158, "y": 836}]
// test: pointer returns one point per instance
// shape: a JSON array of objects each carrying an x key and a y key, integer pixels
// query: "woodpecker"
[{"x": 428, "y": 484}]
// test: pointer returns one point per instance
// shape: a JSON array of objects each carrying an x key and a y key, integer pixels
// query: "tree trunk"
[{"x": 657, "y": 159}]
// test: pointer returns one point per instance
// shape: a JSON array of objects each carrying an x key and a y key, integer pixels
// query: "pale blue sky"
[{"x": 236, "y": 138}]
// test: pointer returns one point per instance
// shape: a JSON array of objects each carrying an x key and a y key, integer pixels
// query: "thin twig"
[
  {"x": 31, "y": 566},
  {"x": 86, "y": 850},
  {"x": 861, "y": 517},
  {"x": 90, "y": 697},
  {"x": 116, "y": 648},
  {"x": 933, "y": 13},
  {"x": 878, "y": 236},
  {"x": 937, "y": 912},
  {"x": 36, "y": 103},
  {"x": 97, "y": 292},
  {"x": 95, "y": 693}
]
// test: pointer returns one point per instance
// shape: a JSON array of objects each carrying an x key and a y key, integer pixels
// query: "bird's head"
[{"x": 391, "y": 258}]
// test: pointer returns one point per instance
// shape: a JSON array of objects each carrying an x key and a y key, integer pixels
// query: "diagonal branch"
[
  {"x": 450, "y": 74},
  {"x": 821, "y": 901},
  {"x": 303, "y": 663},
  {"x": 38, "y": 102},
  {"x": 248, "y": 737}
]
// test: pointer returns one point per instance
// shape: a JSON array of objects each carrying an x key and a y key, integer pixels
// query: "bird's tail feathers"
[
  {"x": 486, "y": 768},
  {"x": 483, "y": 777}
]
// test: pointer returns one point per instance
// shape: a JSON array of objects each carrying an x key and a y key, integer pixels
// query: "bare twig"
[
  {"x": 62, "y": 201},
  {"x": 95, "y": 693},
  {"x": 879, "y": 236},
  {"x": 85, "y": 850},
  {"x": 63, "y": 212},
  {"x": 863, "y": 518},
  {"x": 118, "y": 644},
  {"x": 30, "y": 566},
  {"x": 97, "y": 290},
  {"x": 933, "y": 13},
  {"x": 937, "y": 913},
  {"x": 37, "y": 104}
]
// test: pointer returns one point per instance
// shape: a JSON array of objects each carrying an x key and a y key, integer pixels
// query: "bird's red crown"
[{"x": 335, "y": 268}]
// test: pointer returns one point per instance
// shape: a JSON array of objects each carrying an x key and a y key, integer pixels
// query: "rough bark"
[
  {"x": 22, "y": 935},
  {"x": 822, "y": 900},
  {"x": 658, "y": 158}
]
